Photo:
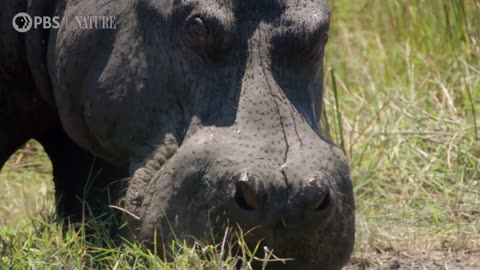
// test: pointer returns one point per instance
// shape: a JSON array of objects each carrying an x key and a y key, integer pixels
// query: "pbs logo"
[{"x": 22, "y": 22}]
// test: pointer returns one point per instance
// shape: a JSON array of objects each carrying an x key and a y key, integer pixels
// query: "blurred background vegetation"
[
  {"x": 407, "y": 78},
  {"x": 402, "y": 98}
]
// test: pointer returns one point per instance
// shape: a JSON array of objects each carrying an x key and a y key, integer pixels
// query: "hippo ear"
[{"x": 36, "y": 47}]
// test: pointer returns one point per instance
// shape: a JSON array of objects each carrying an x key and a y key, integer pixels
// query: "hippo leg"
[
  {"x": 78, "y": 174},
  {"x": 9, "y": 144},
  {"x": 22, "y": 116},
  {"x": 17, "y": 100},
  {"x": 83, "y": 182}
]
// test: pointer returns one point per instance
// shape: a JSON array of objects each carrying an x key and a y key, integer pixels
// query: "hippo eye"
[
  {"x": 209, "y": 37},
  {"x": 197, "y": 30},
  {"x": 245, "y": 197},
  {"x": 323, "y": 202}
]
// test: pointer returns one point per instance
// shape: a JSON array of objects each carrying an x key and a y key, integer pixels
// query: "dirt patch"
[{"x": 416, "y": 260}]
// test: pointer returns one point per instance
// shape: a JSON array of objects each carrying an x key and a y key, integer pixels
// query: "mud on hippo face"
[{"x": 214, "y": 106}]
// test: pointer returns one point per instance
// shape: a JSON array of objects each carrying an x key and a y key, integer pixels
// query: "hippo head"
[{"x": 214, "y": 106}]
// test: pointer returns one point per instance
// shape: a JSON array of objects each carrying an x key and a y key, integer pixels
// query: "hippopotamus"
[{"x": 206, "y": 112}]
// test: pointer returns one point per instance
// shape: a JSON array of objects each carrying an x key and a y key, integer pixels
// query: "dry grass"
[{"x": 408, "y": 82}]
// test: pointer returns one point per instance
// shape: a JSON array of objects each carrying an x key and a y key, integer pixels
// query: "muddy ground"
[{"x": 416, "y": 260}]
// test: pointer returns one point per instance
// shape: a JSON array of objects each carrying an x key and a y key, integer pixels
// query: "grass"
[
  {"x": 402, "y": 99},
  {"x": 408, "y": 79}
]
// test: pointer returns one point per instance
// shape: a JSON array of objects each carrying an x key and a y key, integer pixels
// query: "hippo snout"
[
  {"x": 211, "y": 184},
  {"x": 294, "y": 225}
]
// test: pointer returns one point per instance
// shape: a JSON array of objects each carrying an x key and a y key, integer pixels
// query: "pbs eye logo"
[{"x": 22, "y": 22}]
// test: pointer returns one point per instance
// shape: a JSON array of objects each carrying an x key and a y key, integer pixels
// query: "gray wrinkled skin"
[{"x": 213, "y": 107}]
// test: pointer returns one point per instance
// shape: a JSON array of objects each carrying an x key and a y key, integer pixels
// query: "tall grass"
[{"x": 408, "y": 79}]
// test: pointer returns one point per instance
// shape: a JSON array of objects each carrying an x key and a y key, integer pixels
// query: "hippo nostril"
[
  {"x": 323, "y": 202},
  {"x": 245, "y": 197}
]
